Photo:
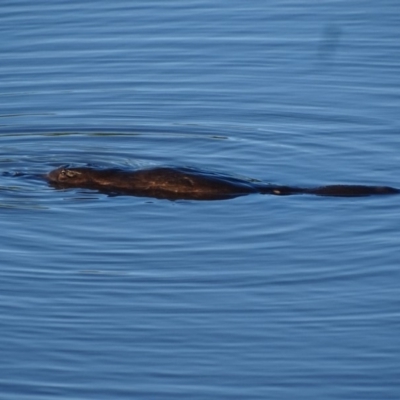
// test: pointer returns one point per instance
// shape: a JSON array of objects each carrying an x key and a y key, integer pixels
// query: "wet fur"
[{"x": 191, "y": 184}]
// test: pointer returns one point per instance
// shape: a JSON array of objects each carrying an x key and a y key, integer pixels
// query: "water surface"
[{"x": 255, "y": 297}]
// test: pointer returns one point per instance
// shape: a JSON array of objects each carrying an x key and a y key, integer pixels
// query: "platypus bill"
[{"x": 190, "y": 184}]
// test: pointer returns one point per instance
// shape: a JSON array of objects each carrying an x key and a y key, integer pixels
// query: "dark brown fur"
[{"x": 190, "y": 184}]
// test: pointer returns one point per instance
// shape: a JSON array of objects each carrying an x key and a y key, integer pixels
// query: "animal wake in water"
[{"x": 190, "y": 184}]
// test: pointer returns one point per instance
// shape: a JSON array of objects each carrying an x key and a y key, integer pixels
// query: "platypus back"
[{"x": 164, "y": 182}]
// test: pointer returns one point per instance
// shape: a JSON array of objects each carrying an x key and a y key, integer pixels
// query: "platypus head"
[{"x": 67, "y": 176}]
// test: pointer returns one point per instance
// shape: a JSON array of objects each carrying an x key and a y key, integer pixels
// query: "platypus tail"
[
  {"x": 331, "y": 190},
  {"x": 352, "y": 190}
]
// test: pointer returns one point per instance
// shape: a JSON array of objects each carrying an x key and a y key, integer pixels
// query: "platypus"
[{"x": 176, "y": 183}]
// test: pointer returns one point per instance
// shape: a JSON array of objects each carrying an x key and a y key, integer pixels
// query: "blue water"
[{"x": 257, "y": 297}]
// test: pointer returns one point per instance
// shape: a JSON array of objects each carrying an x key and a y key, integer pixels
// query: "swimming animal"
[{"x": 190, "y": 184}]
